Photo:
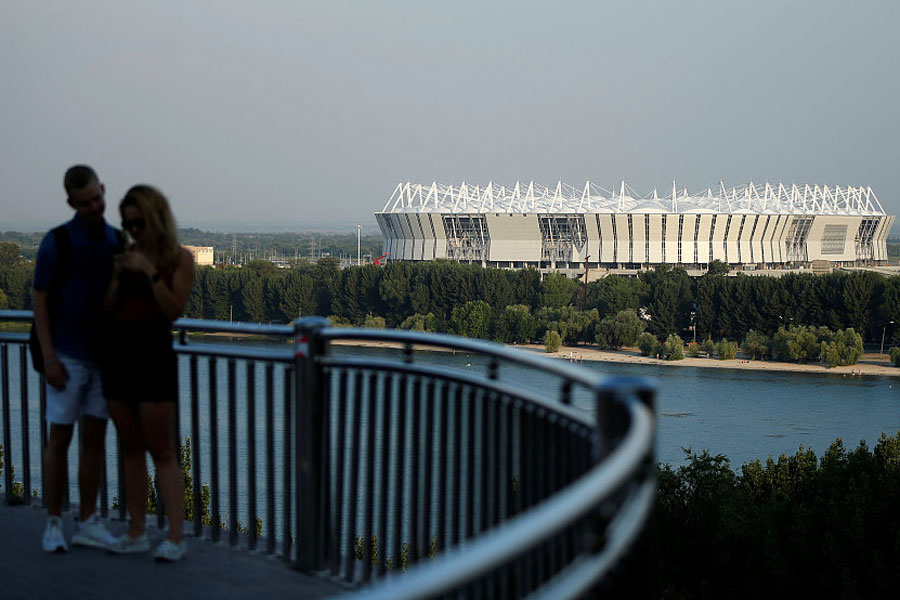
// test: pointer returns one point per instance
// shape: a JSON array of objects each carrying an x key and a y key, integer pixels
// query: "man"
[{"x": 70, "y": 280}]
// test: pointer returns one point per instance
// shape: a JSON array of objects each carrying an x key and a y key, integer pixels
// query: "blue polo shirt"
[{"x": 76, "y": 321}]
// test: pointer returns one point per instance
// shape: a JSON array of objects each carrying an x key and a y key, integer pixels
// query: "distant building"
[
  {"x": 203, "y": 255},
  {"x": 766, "y": 226}
]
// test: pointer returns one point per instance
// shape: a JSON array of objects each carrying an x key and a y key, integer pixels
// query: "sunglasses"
[{"x": 138, "y": 223}]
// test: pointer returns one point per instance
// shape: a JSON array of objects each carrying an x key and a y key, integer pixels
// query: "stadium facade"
[{"x": 754, "y": 226}]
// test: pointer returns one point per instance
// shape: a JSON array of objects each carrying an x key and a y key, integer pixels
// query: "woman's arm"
[
  {"x": 170, "y": 301},
  {"x": 110, "y": 299}
]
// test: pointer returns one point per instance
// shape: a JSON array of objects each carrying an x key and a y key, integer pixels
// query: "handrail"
[
  {"x": 598, "y": 478},
  {"x": 491, "y": 349},
  {"x": 485, "y": 382},
  {"x": 232, "y": 327},
  {"x": 493, "y": 549}
]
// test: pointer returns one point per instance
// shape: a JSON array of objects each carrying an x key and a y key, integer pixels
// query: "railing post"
[
  {"x": 309, "y": 419},
  {"x": 611, "y": 397}
]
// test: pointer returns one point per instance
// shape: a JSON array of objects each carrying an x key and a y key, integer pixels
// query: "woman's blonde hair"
[{"x": 160, "y": 241}]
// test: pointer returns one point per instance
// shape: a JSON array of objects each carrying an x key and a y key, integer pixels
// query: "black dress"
[{"x": 138, "y": 362}]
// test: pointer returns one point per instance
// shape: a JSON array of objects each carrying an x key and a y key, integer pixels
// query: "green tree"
[
  {"x": 526, "y": 287},
  {"x": 647, "y": 344},
  {"x": 670, "y": 300},
  {"x": 419, "y": 322},
  {"x": 515, "y": 325},
  {"x": 252, "y": 304},
  {"x": 261, "y": 267},
  {"x": 10, "y": 254},
  {"x": 552, "y": 341},
  {"x": 373, "y": 322},
  {"x": 4, "y": 301},
  {"x": 844, "y": 348},
  {"x": 756, "y": 344},
  {"x": 326, "y": 276},
  {"x": 296, "y": 296},
  {"x": 799, "y": 343},
  {"x": 615, "y": 293},
  {"x": 472, "y": 319},
  {"x": 717, "y": 268},
  {"x": 557, "y": 290},
  {"x": 726, "y": 350},
  {"x": 672, "y": 348},
  {"x": 857, "y": 298},
  {"x": 394, "y": 288},
  {"x": 15, "y": 281},
  {"x": 620, "y": 330},
  {"x": 895, "y": 356},
  {"x": 217, "y": 301},
  {"x": 194, "y": 307}
]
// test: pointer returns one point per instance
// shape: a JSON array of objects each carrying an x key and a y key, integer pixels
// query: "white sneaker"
[
  {"x": 129, "y": 545},
  {"x": 93, "y": 533},
  {"x": 170, "y": 551},
  {"x": 54, "y": 540}
]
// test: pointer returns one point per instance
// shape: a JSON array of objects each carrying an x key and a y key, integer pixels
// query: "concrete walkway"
[{"x": 210, "y": 570}]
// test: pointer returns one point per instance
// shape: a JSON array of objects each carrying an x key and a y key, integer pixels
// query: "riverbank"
[{"x": 869, "y": 364}]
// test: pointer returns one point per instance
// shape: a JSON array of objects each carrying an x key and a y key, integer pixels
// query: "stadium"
[{"x": 768, "y": 226}]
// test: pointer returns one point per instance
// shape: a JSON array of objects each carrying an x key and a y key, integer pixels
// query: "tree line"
[
  {"x": 793, "y": 527},
  {"x": 522, "y": 305}
]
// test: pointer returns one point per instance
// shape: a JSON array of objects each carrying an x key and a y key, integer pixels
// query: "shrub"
[
  {"x": 804, "y": 344},
  {"x": 672, "y": 348},
  {"x": 844, "y": 348},
  {"x": 374, "y": 322},
  {"x": 472, "y": 319},
  {"x": 419, "y": 322},
  {"x": 515, "y": 325},
  {"x": 337, "y": 321},
  {"x": 726, "y": 350},
  {"x": 708, "y": 347},
  {"x": 693, "y": 349},
  {"x": 552, "y": 341},
  {"x": 620, "y": 330},
  {"x": 895, "y": 356},
  {"x": 647, "y": 344},
  {"x": 756, "y": 344}
]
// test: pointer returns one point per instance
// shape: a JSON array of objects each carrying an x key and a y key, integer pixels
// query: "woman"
[{"x": 151, "y": 283}]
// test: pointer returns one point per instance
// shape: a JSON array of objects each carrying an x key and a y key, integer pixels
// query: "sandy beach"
[{"x": 869, "y": 364}]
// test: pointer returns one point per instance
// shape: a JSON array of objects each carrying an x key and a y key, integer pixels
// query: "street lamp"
[{"x": 883, "y": 329}]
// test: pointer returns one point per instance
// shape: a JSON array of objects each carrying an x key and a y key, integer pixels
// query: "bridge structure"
[{"x": 361, "y": 474}]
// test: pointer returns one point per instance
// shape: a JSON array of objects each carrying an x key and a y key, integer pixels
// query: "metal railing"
[{"x": 399, "y": 474}]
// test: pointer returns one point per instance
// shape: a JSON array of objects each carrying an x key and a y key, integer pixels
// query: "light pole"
[
  {"x": 694, "y": 321},
  {"x": 358, "y": 229},
  {"x": 883, "y": 330}
]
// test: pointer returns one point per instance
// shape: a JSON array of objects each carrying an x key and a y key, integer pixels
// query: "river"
[{"x": 744, "y": 415}]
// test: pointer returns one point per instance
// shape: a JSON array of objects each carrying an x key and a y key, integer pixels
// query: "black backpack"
[{"x": 63, "y": 270}]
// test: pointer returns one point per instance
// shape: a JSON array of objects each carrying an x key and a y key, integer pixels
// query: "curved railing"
[{"x": 512, "y": 475}]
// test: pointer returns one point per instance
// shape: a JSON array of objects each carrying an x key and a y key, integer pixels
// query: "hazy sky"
[{"x": 285, "y": 114}]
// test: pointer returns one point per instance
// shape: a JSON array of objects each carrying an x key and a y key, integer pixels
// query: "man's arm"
[{"x": 54, "y": 370}]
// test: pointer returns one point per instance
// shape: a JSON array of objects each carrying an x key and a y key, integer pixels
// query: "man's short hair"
[{"x": 78, "y": 177}]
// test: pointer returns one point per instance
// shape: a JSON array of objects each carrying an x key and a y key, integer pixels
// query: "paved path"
[{"x": 210, "y": 570}]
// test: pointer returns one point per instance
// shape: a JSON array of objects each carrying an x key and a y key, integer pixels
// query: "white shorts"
[{"x": 82, "y": 395}]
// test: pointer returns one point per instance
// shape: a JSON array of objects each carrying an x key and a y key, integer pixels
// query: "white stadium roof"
[{"x": 566, "y": 199}]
